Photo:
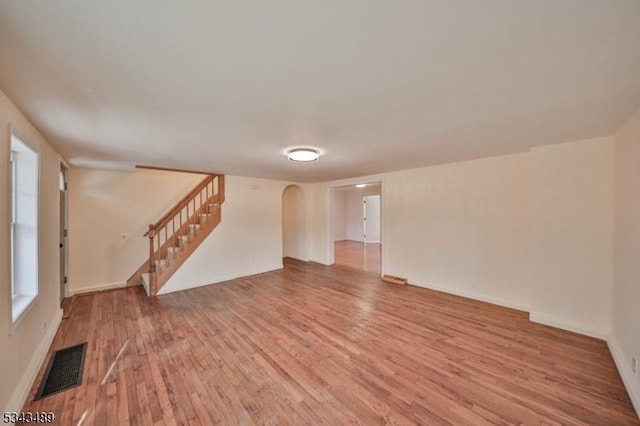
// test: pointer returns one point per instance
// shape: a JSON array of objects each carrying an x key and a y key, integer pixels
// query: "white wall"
[
  {"x": 625, "y": 339},
  {"x": 319, "y": 219},
  {"x": 467, "y": 228},
  {"x": 372, "y": 215},
  {"x": 293, "y": 223},
  {"x": 104, "y": 205},
  {"x": 355, "y": 214},
  {"x": 339, "y": 215},
  {"x": 355, "y": 210},
  {"x": 247, "y": 241},
  {"x": 23, "y": 347},
  {"x": 572, "y": 246},
  {"x": 455, "y": 226}
]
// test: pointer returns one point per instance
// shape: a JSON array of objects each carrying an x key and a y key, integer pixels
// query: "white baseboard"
[
  {"x": 475, "y": 296},
  {"x": 20, "y": 394},
  {"x": 631, "y": 382},
  {"x": 568, "y": 325},
  {"x": 99, "y": 287},
  {"x": 320, "y": 261},
  {"x": 169, "y": 288},
  {"x": 301, "y": 258}
]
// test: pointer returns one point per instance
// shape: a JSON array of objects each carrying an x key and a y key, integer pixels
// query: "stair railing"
[{"x": 178, "y": 225}]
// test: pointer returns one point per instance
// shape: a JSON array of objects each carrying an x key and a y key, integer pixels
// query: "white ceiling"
[{"x": 376, "y": 85}]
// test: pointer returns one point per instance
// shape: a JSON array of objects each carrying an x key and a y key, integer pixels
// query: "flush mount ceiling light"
[
  {"x": 361, "y": 185},
  {"x": 303, "y": 154}
]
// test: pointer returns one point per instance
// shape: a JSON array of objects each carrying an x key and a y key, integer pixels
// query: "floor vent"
[
  {"x": 394, "y": 280},
  {"x": 64, "y": 371}
]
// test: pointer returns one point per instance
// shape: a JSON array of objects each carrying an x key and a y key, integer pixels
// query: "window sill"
[{"x": 20, "y": 305}]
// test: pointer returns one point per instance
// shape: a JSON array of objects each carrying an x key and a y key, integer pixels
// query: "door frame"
[
  {"x": 331, "y": 189},
  {"x": 64, "y": 230}
]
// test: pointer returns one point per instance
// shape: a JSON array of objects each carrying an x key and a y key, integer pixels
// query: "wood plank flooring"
[
  {"x": 358, "y": 255},
  {"x": 312, "y": 344}
]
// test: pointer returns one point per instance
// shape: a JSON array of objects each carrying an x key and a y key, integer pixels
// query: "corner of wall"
[
  {"x": 631, "y": 383},
  {"x": 564, "y": 324}
]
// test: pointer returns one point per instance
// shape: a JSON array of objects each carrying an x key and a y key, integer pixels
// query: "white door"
[{"x": 372, "y": 219}]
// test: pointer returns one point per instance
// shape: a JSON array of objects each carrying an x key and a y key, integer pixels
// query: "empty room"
[{"x": 317, "y": 212}]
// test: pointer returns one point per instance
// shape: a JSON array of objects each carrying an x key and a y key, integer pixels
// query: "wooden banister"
[{"x": 182, "y": 203}]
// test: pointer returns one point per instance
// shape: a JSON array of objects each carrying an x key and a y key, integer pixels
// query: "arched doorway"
[{"x": 294, "y": 239}]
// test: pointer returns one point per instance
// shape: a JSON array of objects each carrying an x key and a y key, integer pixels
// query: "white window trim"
[
  {"x": 21, "y": 304},
  {"x": 12, "y": 206}
]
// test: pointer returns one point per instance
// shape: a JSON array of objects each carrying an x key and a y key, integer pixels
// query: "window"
[
  {"x": 13, "y": 218},
  {"x": 24, "y": 226}
]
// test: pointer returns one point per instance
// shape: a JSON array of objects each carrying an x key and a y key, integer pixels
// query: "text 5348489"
[{"x": 29, "y": 417}]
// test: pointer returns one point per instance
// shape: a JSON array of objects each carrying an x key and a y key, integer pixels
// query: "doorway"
[
  {"x": 294, "y": 238},
  {"x": 356, "y": 226},
  {"x": 64, "y": 232}
]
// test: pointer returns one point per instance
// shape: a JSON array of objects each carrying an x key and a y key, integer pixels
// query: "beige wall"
[
  {"x": 247, "y": 241},
  {"x": 355, "y": 212},
  {"x": 319, "y": 221},
  {"x": 339, "y": 215},
  {"x": 572, "y": 229},
  {"x": 293, "y": 223},
  {"x": 462, "y": 228},
  {"x": 105, "y": 206},
  {"x": 23, "y": 347},
  {"x": 531, "y": 231},
  {"x": 625, "y": 342}
]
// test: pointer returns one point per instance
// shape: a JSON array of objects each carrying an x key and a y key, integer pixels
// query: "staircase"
[{"x": 174, "y": 237}]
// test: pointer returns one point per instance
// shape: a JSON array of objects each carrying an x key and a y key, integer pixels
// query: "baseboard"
[
  {"x": 474, "y": 296},
  {"x": 20, "y": 394},
  {"x": 568, "y": 325},
  {"x": 99, "y": 287},
  {"x": 631, "y": 383},
  {"x": 301, "y": 259},
  {"x": 165, "y": 289},
  {"x": 320, "y": 261}
]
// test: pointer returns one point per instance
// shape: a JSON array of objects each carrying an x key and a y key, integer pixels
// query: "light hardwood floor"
[
  {"x": 358, "y": 255},
  {"x": 312, "y": 344}
]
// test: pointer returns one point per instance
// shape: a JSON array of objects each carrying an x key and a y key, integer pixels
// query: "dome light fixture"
[
  {"x": 361, "y": 185},
  {"x": 303, "y": 155}
]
